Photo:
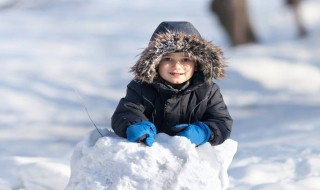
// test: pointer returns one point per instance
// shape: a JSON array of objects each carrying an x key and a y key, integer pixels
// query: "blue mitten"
[
  {"x": 198, "y": 133},
  {"x": 143, "y": 131}
]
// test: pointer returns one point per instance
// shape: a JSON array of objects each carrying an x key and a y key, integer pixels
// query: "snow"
[
  {"x": 51, "y": 52},
  {"x": 110, "y": 162}
]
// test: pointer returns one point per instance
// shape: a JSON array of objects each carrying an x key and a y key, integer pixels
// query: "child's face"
[{"x": 176, "y": 68}]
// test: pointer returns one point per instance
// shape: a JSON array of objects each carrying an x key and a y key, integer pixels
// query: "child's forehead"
[{"x": 177, "y": 54}]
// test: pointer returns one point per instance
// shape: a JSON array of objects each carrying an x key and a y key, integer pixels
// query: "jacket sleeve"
[
  {"x": 130, "y": 110},
  {"x": 217, "y": 117}
]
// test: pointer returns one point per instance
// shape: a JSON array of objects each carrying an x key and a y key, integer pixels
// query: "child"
[{"x": 173, "y": 92}]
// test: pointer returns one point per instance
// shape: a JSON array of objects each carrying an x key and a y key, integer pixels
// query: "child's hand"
[
  {"x": 143, "y": 131},
  {"x": 198, "y": 133}
]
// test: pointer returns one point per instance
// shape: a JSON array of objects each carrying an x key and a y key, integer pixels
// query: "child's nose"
[{"x": 177, "y": 64}]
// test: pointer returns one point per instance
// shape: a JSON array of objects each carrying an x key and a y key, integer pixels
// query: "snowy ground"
[{"x": 48, "y": 53}]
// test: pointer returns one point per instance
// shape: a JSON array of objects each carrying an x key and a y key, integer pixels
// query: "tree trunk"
[
  {"x": 233, "y": 16},
  {"x": 294, "y": 4}
]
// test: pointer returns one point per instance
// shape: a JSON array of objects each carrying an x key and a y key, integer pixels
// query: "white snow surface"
[
  {"x": 110, "y": 162},
  {"x": 51, "y": 51}
]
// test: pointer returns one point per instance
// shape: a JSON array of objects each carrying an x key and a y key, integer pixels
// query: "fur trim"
[{"x": 208, "y": 57}]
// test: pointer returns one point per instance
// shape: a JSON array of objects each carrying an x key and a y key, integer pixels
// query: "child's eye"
[
  {"x": 186, "y": 60},
  {"x": 166, "y": 59}
]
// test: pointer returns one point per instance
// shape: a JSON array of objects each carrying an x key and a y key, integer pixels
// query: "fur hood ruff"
[{"x": 209, "y": 58}]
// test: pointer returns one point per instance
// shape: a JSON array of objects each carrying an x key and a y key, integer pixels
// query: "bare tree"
[
  {"x": 233, "y": 16},
  {"x": 295, "y": 4}
]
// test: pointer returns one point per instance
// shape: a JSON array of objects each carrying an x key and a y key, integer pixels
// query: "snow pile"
[{"x": 110, "y": 162}]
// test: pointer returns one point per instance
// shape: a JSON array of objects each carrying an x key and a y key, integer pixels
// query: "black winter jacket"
[{"x": 165, "y": 108}]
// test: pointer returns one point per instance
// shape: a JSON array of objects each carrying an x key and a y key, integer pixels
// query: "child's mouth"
[{"x": 175, "y": 74}]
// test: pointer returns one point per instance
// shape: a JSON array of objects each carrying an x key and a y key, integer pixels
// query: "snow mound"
[{"x": 111, "y": 162}]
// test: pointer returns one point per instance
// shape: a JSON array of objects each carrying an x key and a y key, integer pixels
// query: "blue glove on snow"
[
  {"x": 143, "y": 131},
  {"x": 198, "y": 133}
]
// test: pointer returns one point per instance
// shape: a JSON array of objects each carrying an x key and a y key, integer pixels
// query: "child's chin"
[{"x": 175, "y": 82}]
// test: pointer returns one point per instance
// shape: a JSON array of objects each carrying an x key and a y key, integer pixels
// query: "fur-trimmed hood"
[{"x": 209, "y": 57}]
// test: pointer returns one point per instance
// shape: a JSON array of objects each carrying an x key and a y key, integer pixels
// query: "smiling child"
[{"x": 173, "y": 90}]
